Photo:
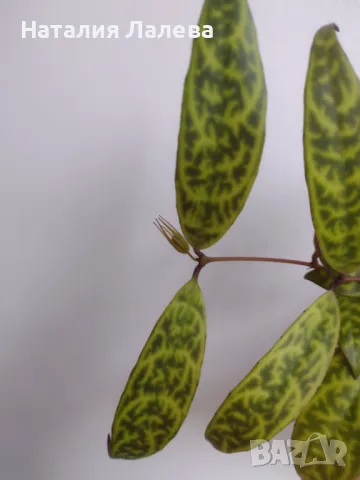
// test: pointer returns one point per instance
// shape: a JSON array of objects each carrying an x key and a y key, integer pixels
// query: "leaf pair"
[
  {"x": 303, "y": 378},
  {"x": 221, "y": 138},
  {"x": 223, "y": 129},
  {"x": 163, "y": 383},
  {"x": 332, "y": 169}
]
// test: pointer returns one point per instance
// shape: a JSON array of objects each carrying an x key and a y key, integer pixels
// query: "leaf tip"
[{"x": 109, "y": 446}]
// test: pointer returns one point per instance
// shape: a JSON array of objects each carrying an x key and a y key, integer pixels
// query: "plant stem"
[
  {"x": 343, "y": 280},
  {"x": 204, "y": 260},
  {"x": 197, "y": 271}
]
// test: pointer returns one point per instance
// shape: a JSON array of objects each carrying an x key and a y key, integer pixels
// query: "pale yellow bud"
[{"x": 172, "y": 235}]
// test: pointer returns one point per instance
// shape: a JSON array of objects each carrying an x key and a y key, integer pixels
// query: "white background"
[{"x": 88, "y": 144}]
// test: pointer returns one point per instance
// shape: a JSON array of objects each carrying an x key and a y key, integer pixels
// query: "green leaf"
[
  {"x": 280, "y": 385},
  {"x": 321, "y": 277},
  {"x": 334, "y": 411},
  {"x": 222, "y": 127},
  {"x": 332, "y": 150},
  {"x": 349, "y": 340},
  {"x": 163, "y": 382},
  {"x": 350, "y": 289}
]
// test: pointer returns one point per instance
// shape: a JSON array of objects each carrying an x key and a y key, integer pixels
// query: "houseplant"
[{"x": 311, "y": 375}]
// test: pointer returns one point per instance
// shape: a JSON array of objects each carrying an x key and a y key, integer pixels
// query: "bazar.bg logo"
[{"x": 296, "y": 452}]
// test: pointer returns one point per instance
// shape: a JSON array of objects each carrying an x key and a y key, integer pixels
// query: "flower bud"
[{"x": 172, "y": 235}]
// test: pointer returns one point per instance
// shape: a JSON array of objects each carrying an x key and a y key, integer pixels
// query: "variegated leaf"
[
  {"x": 222, "y": 128},
  {"x": 332, "y": 150},
  {"x": 349, "y": 304},
  {"x": 163, "y": 382},
  {"x": 330, "y": 427},
  {"x": 281, "y": 384},
  {"x": 349, "y": 340}
]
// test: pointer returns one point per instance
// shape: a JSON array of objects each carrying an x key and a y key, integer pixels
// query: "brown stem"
[
  {"x": 342, "y": 280},
  {"x": 315, "y": 260},
  {"x": 197, "y": 271},
  {"x": 204, "y": 260}
]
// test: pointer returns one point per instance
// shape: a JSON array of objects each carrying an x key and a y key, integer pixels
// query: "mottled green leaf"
[
  {"x": 349, "y": 340},
  {"x": 332, "y": 150},
  {"x": 163, "y": 382},
  {"x": 222, "y": 128},
  {"x": 280, "y": 385},
  {"x": 333, "y": 415},
  {"x": 321, "y": 277},
  {"x": 350, "y": 289}
]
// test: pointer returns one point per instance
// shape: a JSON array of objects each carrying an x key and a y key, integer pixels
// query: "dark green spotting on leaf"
[
  {"x": 281, "y": 384},
  {"x": 330, "y": 426},
  {"x": 222, "y": 127},
  {"x": 162, "y": 385},
  {"x": 332, "y": 151},
  {"x": 349, "y": 340}
]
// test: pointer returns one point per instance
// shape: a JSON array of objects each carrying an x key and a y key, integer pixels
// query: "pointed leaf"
[
  {"x": 163, "y": 382},
  {"x": 321, "y": 277},
  {"x": 280, "y": 385},
  {"x": 349, "y": 340},
  {"x": 333, "y": 414},
  {"x": 222, "y": 128},
  {"x": 332, "y": 150}
]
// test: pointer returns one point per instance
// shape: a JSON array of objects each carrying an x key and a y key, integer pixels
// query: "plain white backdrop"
[{"x": 88, "y": 146}]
